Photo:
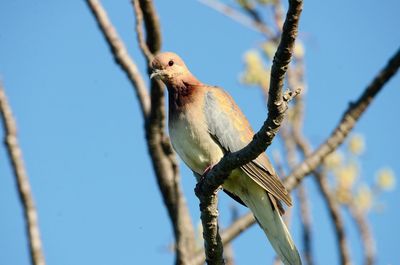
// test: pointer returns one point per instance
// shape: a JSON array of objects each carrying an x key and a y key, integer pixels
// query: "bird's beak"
[{"x": 155, "y": 74}]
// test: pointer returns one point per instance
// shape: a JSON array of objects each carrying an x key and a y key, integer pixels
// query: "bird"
[{"x": 204, "y": 124}]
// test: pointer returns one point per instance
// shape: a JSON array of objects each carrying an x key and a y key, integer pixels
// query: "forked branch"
[{"x": 350, "y": 118}]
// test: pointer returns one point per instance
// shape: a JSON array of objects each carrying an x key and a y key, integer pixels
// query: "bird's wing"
[{"x": 230, "y": 129}]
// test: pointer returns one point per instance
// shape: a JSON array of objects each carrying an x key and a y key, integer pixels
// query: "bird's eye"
[{"x": 171, "y": 63}]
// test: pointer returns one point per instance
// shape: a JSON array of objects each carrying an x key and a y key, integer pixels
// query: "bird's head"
[{"x": 168, "y": 67}]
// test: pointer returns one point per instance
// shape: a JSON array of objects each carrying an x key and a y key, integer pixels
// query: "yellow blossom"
[
  {"x": 255, "y": 72},
  {"x": 343, "y": 196},
  {"x": 269, "y": 49},
  {"x": 356, "y": 144},
  {"x": 346, "y": 176},
  {"x": 364, "y": 198},
  {"x": 386, "y": 179},
  {"x": 298, "y": 50}
]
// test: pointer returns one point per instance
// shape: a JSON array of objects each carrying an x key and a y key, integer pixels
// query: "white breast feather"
[{"x": 191, "y": 140}]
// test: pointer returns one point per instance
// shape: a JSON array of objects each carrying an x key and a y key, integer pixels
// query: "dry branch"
[
  {"x": 121, "y": 55},
  {"x": 322, "y": 183},
  {"x": 152, "y": 25},
  {"x": 163, "y": 157},
  {"x": 239, "y": 17},
  {"x": 337, "y": 220},
  {"x": 306, "y": 224},
  {"x": 153, "y": 110},
  {"x": 350, "y": 117},
  {"x": 277, "y": 105},
  {"x": 22, "y": 180},
  {"x": 139, "y": 31},
  {"x": 367, "y": 240},
  {"x": 290, "y": 145}
]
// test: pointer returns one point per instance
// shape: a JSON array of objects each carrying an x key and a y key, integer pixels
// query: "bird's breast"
[{"x": 191, "y": 140}]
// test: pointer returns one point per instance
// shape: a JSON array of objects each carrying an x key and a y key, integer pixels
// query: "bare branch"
[
  {"x": 237, "y": 16},
  {"x": 139, "y": 31},
  {"x": 333, "y": 207},
  {"x": 367, "y": 240},
  {"x": 152, "y": 25},
  {"x": 336, "y": 217},
  {"x": 22, "y": 180},
  {"x": 290, "y": 147},
  {"x": 163, "y": 157},
  {"x": 160, "y": 150},
  {"x": 295, "y": 79},
  {"x": 323, "y": 186},
  {"x": 350, "y": 117},
  {"x": 237, "y": 227},
  {"x": 306, "y": 223},
  {"x": 277, "y": 105},
  {"x": 121, "y": 55}
]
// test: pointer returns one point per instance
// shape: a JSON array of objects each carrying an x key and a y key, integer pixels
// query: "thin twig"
[
  {"x": 367, "y": 240},
  {"x": 331, "y": 203},
  {"x": 237, "y": 227},
  {"x": 139, "y": 31},
  {"x": 152, "y": 25},
  {"x": 22, "y": 180},
  {"x": 290, "y": 148},
  {"x": 239, "y": 17},
  {"x": 121, "y": 55},
  {"x": 296, "y": 79},
  {"x": 277, "y": 105},
  {"x": 350, "y": 117},
  {"x": 306, "y": 224},
  {"x": 336, "y": 217}
]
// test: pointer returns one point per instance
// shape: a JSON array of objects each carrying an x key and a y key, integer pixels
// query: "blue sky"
[{"x": 82, "y": 134}]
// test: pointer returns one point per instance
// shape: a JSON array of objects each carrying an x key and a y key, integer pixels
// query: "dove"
[{"x": 204, "y": 124}]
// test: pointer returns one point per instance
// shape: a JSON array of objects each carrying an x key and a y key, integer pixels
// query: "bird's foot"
[
  {"x": 208, "y": 169},
  {"x": 201, "y": 179}
]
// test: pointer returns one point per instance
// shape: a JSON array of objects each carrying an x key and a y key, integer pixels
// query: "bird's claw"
[{"x": 198, "y": 188}]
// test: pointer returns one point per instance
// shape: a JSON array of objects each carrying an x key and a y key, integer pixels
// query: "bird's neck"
[{"x": 181, "y": 92}]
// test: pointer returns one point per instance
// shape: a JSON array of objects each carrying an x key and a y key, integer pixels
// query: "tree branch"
[
  {"x": 306, "y": 223},
  {"x": 237, "y": 16},
  {"x": 290, "y": 144},
  {"x": 277, "y": 105},
  {"x": 162, "y": 156},
  {"x": 24, "y": 188},
  {"x": 323, "y": 186},
  {"x": 336, "y": 217},
  {"x": 121, "y": 55},
  {"x": 350, "y": 117},
  {"x": 367, "y": 240},
  {"x": 152, "y": 25},
  {"x": 229, "y": 234},
  {"x": 139, "y": 31}
]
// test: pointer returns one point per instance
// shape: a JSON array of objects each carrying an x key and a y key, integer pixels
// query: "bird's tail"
[{"x": 271, "y": 222}]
